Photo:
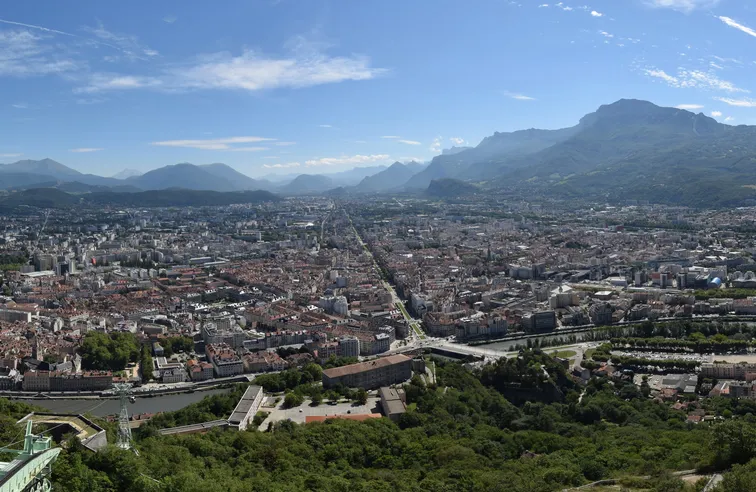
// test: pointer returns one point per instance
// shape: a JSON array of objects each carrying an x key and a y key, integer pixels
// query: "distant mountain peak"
[
  {"x": 127, "y": 173},
  {"x": 44, "y": 166},
  {"x": 454, "y": 150}
]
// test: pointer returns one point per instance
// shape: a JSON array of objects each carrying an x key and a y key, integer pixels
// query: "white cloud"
[
  {"x": 391, "y": 136},
  {"x": 284, "y": 144},
  {"x": 543, "y": 5},
  {"x": 25, "y": 54},
  {"x": 325, "y": 126},
  {"x": 726, "y": 60},
  {"x": 682, "y": 5},
  {"x": 606, "y": 34},
  {"x": 85, "y": 149},
  {"x": 215, "y": 143},
  {"x": 304, "y": 67},
  {"x": 246, "y": 149},
  {"x": 716, "y": 114},
  {"x": 11, "y": 155},
  {"x": 102, "y": 82},
  {"x": 344, "y": 160},
  {"x": 409, "y": 142},
  {"x": 436, "y": 145},
  {"x": 706, "y": 80},
  {"x": 281, "y": 166},
  {"x": 729, "y": 119},
  {"x": 410, "y": 159},
  {"x": 741, "y": 103},
  {"x": 130, "y": 46},
  {"x": 689, "y": 106},
  {"x": 457, "y": 140},
  {"x": 519, "y": 97},
  {"x": 93, "y": 100},
  {"x": 661, "y": 74},
  {"x": 738, "y": 26},
  {"x": 563, "y": 6},
  {"x": 19, "y": 105},
  {"x": 39, "y": 28},
  {"x": 596, "y": 14},
  {"x": 170, "y": 19},
  {"x": 694, "y": 79}
]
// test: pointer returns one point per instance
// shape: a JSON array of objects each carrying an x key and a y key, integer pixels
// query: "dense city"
[{"x": 330, "y": 307}]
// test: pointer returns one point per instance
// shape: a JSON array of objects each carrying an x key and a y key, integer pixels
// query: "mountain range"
[{"x": 627, "y": 150}]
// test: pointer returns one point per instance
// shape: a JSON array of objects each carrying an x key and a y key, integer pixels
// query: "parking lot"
[{"x": 298, "y": 414}]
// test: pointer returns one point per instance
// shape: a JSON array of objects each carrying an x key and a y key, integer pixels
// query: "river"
[{"x": 105, "y": 406}]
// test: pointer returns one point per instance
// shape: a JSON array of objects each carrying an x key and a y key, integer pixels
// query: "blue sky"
[{"x": 322, "y": 86}]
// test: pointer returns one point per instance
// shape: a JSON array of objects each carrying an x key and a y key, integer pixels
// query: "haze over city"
[{"x": 103, "y": 87}]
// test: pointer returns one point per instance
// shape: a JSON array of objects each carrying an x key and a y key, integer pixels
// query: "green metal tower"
[{"x": 30, "y": 469}]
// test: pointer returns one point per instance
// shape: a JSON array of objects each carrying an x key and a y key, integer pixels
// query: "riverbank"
[
  {"x": 102, "y": 407},
  {"x": 138, "y": 392}
]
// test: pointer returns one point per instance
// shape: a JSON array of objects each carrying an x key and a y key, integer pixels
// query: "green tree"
[
  {"x": 293, "y": 400},
  {"x": 146, "y": 364},
  {"x": 361, "y": 396}
]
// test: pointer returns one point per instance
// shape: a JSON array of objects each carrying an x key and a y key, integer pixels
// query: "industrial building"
[
  {"x": 246, "y": 408},
  {"x": 371, "y": 374},
  {"x": 392, "y": 403}
]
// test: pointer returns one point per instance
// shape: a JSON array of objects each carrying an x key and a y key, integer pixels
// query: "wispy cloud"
[
  {"x": 325, "y": 126},
  {"x": 128, "y": 45},
  {"x": 741, "y": 103},
  {"x": 102, "y": 82},
  {"x": 738, "y": 26},
  {"x": 285, "y": 144},
  {"x": 661, "y": 74},
  {"x": 408, "y": 142},
  {"x": 216, "y": 143},
  {"x": 19, "y": 105},
  {"x": 689, "y": 106},
  {"x": 391, "y": 136},
  {"x": 91, "y": 100},
  {"x": 24, "y": 54},
  {"x": 729, "y": 119},
  {"x": 10, "y": 155},
  {"x": 436, "y": 145},
  {"x": 694, "y": 79},
  {"x": 519, "y": 97},
  {"x": 81, "y": 150},
  {"x": 716, "y": 114},
  {"x": 304, "y": 66},
  {"x": 170, "y": 19},
  {"x": 39, "y": 28},
  {"x": 706, "y": 80},
  {"x": 344, "y": 160},
  {"x": 457, "y": 140},
  {"x": 596, "y": 14},
  {"x": 682, "y": 5},
  {"x": 281, "y": 165},
  {"x": 246, "y": 149},
  {"x": 606, "y": 34}
]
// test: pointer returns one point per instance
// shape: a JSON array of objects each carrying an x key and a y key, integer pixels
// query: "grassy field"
[{"x": 564, "y": 354}]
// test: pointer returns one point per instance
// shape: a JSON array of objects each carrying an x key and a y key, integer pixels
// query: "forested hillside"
[{"x": 462, "y": 435}]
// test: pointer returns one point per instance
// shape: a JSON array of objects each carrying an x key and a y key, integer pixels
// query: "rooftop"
[{"x": 365, "y": 366}]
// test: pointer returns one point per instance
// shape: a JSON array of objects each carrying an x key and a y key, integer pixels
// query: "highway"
[{"x": 414, "y": 324}]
